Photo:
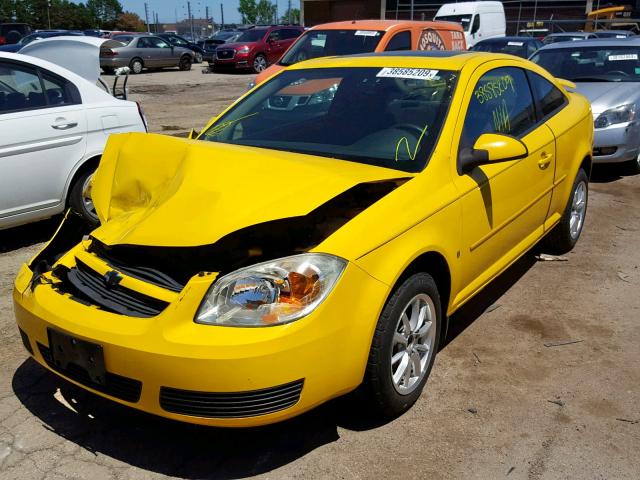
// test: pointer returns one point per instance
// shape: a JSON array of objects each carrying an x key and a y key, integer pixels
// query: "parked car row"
[{"x": 140, "y": 51}]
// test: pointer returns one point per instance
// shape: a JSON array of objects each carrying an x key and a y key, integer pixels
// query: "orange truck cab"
[{"x": 365, "y": 36}]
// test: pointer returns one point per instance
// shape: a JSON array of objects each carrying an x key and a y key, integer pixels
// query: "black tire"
[
  {"x": 185, "y": 63},
  {"x": 633, "y": 166},
  {"x": 378, "y": 388},
  {"x": 259, "y": 63},
  {"x": 76, "y": 199},
  {"x": 136, "y": 65},
  {"x": 561, "y": 239},
  {"x": 197, "y": 57}
]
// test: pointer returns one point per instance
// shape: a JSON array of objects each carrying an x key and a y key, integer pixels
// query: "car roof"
[
  {"x": 434, "y": 59},
  {"x": 509, "y": 39},
  {"x": 571, "y": 34},
  {"x": 596, "y": 42},
  {"x": 371, "y": 24}
]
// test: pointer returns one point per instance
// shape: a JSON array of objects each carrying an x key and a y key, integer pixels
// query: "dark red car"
[{"x": 256, "y": 48}]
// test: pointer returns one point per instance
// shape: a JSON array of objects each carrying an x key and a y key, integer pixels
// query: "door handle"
[
  {"x": 545, "y": 160},
  {"x": 64, "y": 126}
]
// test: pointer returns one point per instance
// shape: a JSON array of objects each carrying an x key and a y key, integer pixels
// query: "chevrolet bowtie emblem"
[{"x": 112, "y": 278}]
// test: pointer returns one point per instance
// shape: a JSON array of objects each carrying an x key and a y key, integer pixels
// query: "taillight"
[
  {"x": 108, "y": 53},
  {"x": 142, "y": 116},
  {"x": 3, "y": 40}
]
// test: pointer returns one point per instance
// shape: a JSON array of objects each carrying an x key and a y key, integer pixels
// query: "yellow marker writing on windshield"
[{"x": 405, "y": 141}]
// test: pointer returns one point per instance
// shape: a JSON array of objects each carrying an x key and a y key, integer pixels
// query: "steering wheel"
[
  {"x": 624, "y": 74},
  {"x": 411, "y": 128}
]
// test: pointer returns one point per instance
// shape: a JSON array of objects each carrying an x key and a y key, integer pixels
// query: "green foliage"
[
  {"x": 294, "y": 19},
  {"x": 262, "y": 12},
  {"x": 65, "y": 14}
]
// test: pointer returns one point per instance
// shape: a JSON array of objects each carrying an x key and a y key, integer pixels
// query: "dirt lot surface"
[{"x": 499, "y": 403}]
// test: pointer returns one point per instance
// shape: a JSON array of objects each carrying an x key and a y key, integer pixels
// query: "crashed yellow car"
[{"x": 314, "y": 239}]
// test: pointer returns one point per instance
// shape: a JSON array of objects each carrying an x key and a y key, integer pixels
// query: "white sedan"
[{"x": 54, "y": 125}]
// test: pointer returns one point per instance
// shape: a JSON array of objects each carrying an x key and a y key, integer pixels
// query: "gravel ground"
[{"x": 499, "y": 403}]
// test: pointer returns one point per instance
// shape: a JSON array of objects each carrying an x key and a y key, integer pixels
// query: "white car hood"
[{"x": 81, "y": 55}]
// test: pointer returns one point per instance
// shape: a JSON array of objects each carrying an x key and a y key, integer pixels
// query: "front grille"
[
  {"x": 231, "y": 404},
  {"x": 225, "y": 54},
  {"x": 88, "y": 286},
  {"x": 117, "y": 386}
]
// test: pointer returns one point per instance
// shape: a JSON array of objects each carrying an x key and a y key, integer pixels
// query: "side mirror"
[
  {"x": 193, "y": 134},
  {"x": 490, "y": 148}
]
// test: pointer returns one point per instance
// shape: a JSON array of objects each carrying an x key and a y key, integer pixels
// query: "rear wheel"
[
  {"x": 185, "y": 63},
  {"x": 136, "y": 65},
  {"x": 259, "y": 63},
  {"x": 197, "y": 57},
  {"x": 565, "y": 234},
  {"x": 80, "y": 198},
  {"x": 404, "y": 346}
]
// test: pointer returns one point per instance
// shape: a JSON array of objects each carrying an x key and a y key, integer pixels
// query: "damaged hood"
[{"x": 158, "y": 190}]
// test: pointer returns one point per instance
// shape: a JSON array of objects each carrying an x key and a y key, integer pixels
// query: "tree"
[
  {"x": 105, "y": 12},
  {"x": 292, "y": 16},
  {"x": 265, "y": 12},
  {"x": 130, "y": 22},
  {"x": 248, "y": 11}
]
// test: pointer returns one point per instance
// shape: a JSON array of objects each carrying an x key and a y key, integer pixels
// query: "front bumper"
[
  {"x": 240, "y": 61},
  {"x": 167, "y": 362},
  {"x": 616, "y": 143}
]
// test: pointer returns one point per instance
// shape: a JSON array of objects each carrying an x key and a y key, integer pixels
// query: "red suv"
[{"x": 256, "y": 48}]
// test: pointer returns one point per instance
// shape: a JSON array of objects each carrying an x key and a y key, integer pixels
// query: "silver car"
[
  {"x": 607, "y": 72},
  {"x": 143, "y": 51}
]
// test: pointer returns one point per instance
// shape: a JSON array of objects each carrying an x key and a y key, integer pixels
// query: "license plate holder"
[{"x": 89, "y": 356}]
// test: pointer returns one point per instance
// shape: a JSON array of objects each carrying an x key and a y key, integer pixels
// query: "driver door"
[
  {"x": 275, "y": 46},
  {"x": 504, "y": 203}
]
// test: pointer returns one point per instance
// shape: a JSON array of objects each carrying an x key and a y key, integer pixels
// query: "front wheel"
[
  {"x": 565, "y": 234},
  {"x": 80, "y": 198},
  {"x": 185, "y": 63},
  {"x": 634, "y": 165},
  {"x": 198, "y": 57},
  {"x": 404, "y": 346},
  {"x": 259, "y": 63}
]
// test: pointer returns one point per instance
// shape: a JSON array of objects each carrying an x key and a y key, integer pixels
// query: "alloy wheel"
[
  {"x": 413, "y": 343},
  {"x": 578, "y": 210},
  {"x": 260, "y": 63},
  {"x": 86, "y": 199}
]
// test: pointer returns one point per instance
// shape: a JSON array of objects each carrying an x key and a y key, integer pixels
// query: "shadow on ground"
[
  {"x": 607, "y": 173},
  {"x": 27, "y": 235},
  {"x": 188, "y": 451}
]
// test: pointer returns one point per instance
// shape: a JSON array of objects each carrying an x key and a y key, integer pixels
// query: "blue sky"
[{"x": 168, "y": 9}]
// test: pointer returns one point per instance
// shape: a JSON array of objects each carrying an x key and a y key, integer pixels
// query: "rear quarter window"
[{"x": 549, "y": 98}]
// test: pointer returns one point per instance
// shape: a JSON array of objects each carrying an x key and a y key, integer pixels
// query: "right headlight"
[
  {"x": 271, "y": 293},
  {"x": 621, "y": 114}
]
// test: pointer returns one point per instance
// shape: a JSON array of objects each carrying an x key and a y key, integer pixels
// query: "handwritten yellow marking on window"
[
  {"x": 494, "y": 89},
  {"x": 501, "y": 118},
  {"x": 405, "y": 141},
  {"x": 217, "y": 129}
]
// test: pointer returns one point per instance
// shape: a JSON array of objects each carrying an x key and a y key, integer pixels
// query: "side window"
[
  {"x": 501, "y": 103},
  {"x": 274, "y": 36},
  {"x": 59, "y": 91},
  {"x": 20, "y": 88},
  {"x": 290, "y": 33},
  {"x": 548, "y": 97},
  {"x": 400, "y": 41},
  {"x": 144, "y": 42},
  {"x": 476, "y": 23},
  {"x": 158, "y": 43}
]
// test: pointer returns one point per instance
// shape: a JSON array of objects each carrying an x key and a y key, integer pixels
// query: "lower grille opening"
[
  {"x": 231, "y": 404},
  {"x": 117, "y": 386},
  {"x": 25, "y": 341},
  {"x": 599, "y": 151},
  {"x": 89, "y": 287}
]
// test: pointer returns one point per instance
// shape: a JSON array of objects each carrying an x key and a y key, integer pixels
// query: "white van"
[{"x": 480, "y": 20}]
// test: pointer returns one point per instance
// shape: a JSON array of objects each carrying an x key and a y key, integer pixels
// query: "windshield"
[
  {"x": 126, "y": 39},
  {"x": 464, "y": 20},
  {"x": 561, "y": 38},
  {"x": 388, "y": 117},
  {"x": 592, "y": 64},
  {"x": 518, "y": 48},
  {"x": 223, "y": 35},
  {"x": 326, "y": 43},
  {"x": 251, "y": 36}
]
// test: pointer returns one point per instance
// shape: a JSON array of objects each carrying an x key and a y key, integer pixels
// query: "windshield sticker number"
[
  {"x": 366, "y": 33},
  {"x": 410, "y": 73},
  {"x": 494, "y": 89},
  {"x": 218, "y": 129},
  {"x": 500, "y": 116},
  {"x": 617, "y": 58}
]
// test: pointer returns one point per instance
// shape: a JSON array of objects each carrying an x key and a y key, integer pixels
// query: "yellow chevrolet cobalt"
[{"x": 313, "y": 240}]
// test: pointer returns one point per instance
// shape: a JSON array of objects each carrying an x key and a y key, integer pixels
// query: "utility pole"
[
  {"x": 412, "y": 5},
  {"x": 146, "y": 16},
  {"x": 190, "y": 20},
  {"x": 48, "y": 16},
  {"x": 221, "y": 16},
  {"x": 289, "y": 11},
  {"x": 206, "y": 14},
  {"x": 157, "y": 24}
]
